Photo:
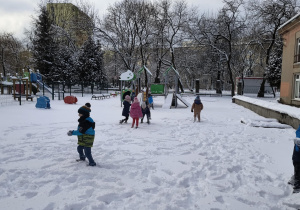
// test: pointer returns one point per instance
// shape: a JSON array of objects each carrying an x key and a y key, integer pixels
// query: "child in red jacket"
[{"x": 135, "y": 112}]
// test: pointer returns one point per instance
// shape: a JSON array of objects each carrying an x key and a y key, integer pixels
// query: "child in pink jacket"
[{"x": 135, "y": 112}]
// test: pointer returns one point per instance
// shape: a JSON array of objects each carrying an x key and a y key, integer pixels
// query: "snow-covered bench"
[{"x": 100, "y": 96}]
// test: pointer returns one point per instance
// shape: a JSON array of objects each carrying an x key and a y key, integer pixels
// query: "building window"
[
  {"x": 297, "y": 53},
  {"x": 297, "y": 86}
]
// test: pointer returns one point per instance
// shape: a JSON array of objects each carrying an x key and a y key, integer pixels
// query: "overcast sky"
[{"x": 16, "y": 15}]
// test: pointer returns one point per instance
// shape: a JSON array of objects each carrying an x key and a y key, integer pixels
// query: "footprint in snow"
[{"x": 30, "y": 194}]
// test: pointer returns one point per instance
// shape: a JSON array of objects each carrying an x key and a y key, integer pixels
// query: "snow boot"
[
  {"x": 296, "y": 190},
  {"x": 79, "y": 160},
  {"x": 121, "y": 121},
  {"x": 91, "y": 164},
  {"x": 292, "y": 181}
]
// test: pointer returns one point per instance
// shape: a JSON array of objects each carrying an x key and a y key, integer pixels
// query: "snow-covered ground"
[{"x": 173, "y": 163}]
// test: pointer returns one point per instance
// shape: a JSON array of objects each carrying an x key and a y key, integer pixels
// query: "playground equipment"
[
  {"x": 135, "y": 89},
  {"x": 6, "y": 85},
  {"x": 148, "y": 74},
  {"x": 70, "y": 100},
  {"x": 126, "y": 77},
  {"x": 156, "y": 89},
  {"x": 43, "y": 102},
  {"x": 40, "y": 84},
  {"x": 22, "y": 87},
  {"x": 56, "y": 89},
  {"x": 171, "y": 98}
]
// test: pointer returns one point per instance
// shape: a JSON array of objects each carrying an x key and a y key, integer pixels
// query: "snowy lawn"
[{"x": 173, "y": 163}]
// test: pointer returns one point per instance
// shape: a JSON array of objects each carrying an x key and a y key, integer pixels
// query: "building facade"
[
  {"x": 72, "y": 19},
  {"x": 290, "y": 76}
]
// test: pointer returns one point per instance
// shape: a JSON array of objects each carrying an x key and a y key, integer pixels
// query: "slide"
[
  {"x": 183, "y": 100},
  {"x": 47, "y": 88},
  {"x": 168, "y": 101}
]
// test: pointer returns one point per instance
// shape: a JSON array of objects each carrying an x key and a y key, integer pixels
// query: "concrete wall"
[{"x": 269, "y": 113}]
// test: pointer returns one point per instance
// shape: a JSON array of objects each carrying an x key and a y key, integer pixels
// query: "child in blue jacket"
[
  {"x": 295, "y": 180},
  {"x": 150, "y": 101},
  {"x": 85, "y": 133}
]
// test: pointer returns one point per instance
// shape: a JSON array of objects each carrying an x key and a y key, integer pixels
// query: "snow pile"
[
  {"x": 266, "y": 123},
  {"x": 173, "y": 163},
  {"x": 290, "y": 110}
]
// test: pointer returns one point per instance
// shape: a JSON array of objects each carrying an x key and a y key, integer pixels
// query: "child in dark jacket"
[
  {"x": 126, "y": 108},
  {"x": 146, "y": 111},
  {"x": 295, "y": 180},
  {"x": 85, "y": 133}
]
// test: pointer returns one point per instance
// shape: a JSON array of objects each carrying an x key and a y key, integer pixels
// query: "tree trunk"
[
  {"x": 3, "y": 63},
  {"x": 157, "y": 80},
  {"x": 230, "y": 77},
  {"x": 274, "y": 94},
  {"x": 261, "y": 92}
]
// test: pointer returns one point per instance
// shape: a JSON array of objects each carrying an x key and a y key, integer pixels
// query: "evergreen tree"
[
  {"x": 90, "y": 62},
  {"x": 274, "y": 68},
  {"x": 63, "y": 67},
  {"x": 43, "y": 45}
]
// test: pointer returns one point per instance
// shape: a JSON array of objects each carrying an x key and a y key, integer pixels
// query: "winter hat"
[
  {"x": 136, "y": 100},
  {"x": 197, "y": 100},
  {"x": 85, "y": 110}
]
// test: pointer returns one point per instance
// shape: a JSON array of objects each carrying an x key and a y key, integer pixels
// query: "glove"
[
  {"x": 70, "y": 133},
  {"x": 297, "y": 141},
  {"x": 191, "y": 110}
]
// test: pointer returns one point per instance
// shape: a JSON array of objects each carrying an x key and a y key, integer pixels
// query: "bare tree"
[
  {"x": 10, "y": 54},
  {"x": 269, "y": 15},
  {"x": 222, "y": 34},
  {"x": 177, "y": 18},
  {"x": 159, "y": 45},
  {"x": 118, "y": 30},
  {"x": 143, "y": 22}
]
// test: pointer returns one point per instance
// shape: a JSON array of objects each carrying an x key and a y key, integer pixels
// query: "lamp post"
[{"x": 20, "y": 88}]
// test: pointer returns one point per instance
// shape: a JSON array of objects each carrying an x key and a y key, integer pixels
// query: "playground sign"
[{"x": 157, "y": 88}]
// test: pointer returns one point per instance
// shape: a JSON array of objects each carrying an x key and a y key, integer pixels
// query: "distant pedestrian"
[
  {"x": 197, "y": 108},
  {"x": 85, "y": 133},
  {"x": 126, "y": 108},
  {"x": 135, "y": 112},
  {"x": 295, "y": 180}
]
